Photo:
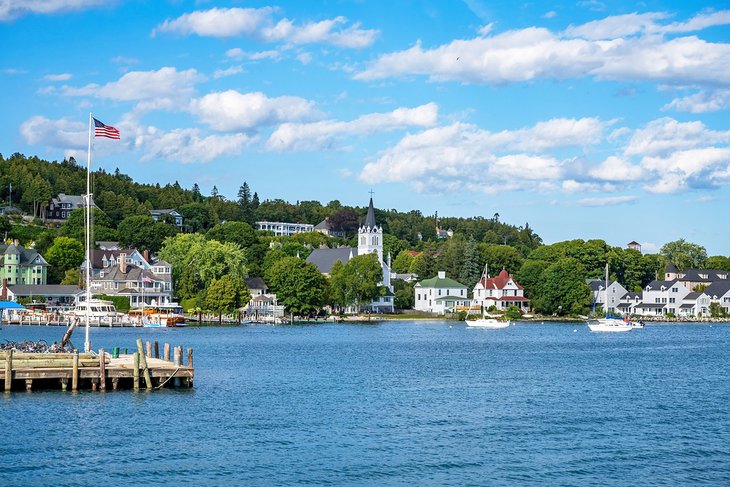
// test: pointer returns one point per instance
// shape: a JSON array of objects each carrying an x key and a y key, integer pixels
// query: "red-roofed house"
[
  {"x": 634, "y": 245},
  {"x": 501, "y": 291}
]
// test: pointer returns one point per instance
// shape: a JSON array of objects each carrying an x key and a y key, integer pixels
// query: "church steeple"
[
  {"x": 370, "y": 219},
  {"x": 370, "y": 236}
]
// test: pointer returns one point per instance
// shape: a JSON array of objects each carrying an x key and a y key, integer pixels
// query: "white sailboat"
[
  {"x": 485, "y": 321},
  {"x": 608, "y": 323}
]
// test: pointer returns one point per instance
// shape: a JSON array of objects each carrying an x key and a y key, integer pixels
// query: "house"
[
  {"x": 615, "y": 292},
  {"x": 325, "y": 227},
  {"x": 634, "y": 245},
  {"x": 661, "y": 297},
  {"x": 440, "y": 294},
  {"x": 370, "y": 241},
  {"x": 628, "y": 302},
  {"x": 146, "y": 287},
  {"x": 501, "y": 292},
  {"x": 62, "y": 205},
  {"x": 441, "y": 233},
  {"x": 107, "y": 245},
  {"x": 58, "y": 295},
  {"x": 262, "y": 305},
  {"x": 22, "y": 266},
  {"x": 282, "y": 229},
  {"x": 102, "y": 259},
  {"x": 694, "y": 278},
  {"x": 694, "y": 304},
  {"x": 168, "y": 215},
  {"x": 719, "y": 292}
]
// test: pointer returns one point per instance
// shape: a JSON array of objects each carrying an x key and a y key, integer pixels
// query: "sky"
[{"x": 584, "y": 118}]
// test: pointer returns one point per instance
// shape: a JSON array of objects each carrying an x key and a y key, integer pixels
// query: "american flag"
[
  {"x": 146, "y": 279},
  {"x": 102, "y": 130}
]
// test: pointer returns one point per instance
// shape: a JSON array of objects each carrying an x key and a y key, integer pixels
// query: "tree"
[
  {"x": 65, "y": 254},
  {"x": 498, "y": 257},
  {"x": 5, "y": 225},
  {"x": 298, "y": 285},
  {"x": 402, "y": 262},
  {"x": 72, "y": 277},
  {"x": 244, "y": 202},
  {"x": 356, "y": 283},
  {"x": 563, "y": 289},
  {"x": 196, "y": 217},
  {"x": 101, "y": 225},
  {"x": 530, "y": 276},
  {"x": 404, "y": 294},
  {"x": 345, "y": 220},
  {"x": 470, "y": 268},
  {"x": 718, "y": 262},
  {"x": 226, "y": 295},
  {"x": 683, "y": 254},
  {"x": 236, "y": 232},
  {"x": 144, "y": 233}
]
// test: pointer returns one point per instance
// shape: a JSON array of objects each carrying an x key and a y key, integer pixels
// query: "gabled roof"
[
  {"x": 323, "y": 225},
  {"x": 498, "y": 282},
  {"x": 695, "y": 275},
  {"x": 597, "y": 284},
  {"x": 692, "y": 295},
  {"x": 718, "y": 288},
  {"x": 671, "y": 268},
  {"x": 436, "y": 282},
  {"x": 255, "y": 283},
  {"x": 133, "y": 273},
  {"x": 631, "y": 295},
  {"x": 657, "y": 285},
  {"x": 166, "y": 211},
  {"x": 44, "y": 289},
  {"x": 26, "y": 256},
  {"x": 324, "y": 259},
  {"x": 97, "y": 256}
]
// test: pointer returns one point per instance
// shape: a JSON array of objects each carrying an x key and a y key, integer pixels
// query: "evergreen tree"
[
  {"x": 196, "y": 193},
  {"x": 470, "y": 269},
  {"x": 214, "y": 191}
]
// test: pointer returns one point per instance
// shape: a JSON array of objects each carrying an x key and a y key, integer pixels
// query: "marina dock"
[{"x": 100, "y": 371}]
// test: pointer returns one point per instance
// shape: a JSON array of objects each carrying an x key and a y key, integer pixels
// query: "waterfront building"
[
  {"x": 102, "y": 259},
  {"x": 282, "y": 229},
  {"x": 615, "y": 292},
  {"x": 694, "y": 305},
  {"x": 501, "y": 292},
  {"x": 719, "y": 292},
  {"x": 370, "y": 241},
  {"x": 55, "y": 295},
  {"x": 440, "y": 294},
  {"x": 628, "y": 302},
  {"x": 22, "y": 266},
  {"x": 143, "y": 287},
  {"x": 661, "y": 297}
]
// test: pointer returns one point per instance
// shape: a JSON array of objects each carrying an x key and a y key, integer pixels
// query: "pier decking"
[{"x": 102, "y": 371}]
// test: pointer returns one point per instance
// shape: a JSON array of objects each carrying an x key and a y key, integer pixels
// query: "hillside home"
[
  {"x": 282, "y": 229},
  {"x": 168, "y": 215},
  {"x": 62, "y": 205},
  {"x": 22, "y": 266},
  {"x": 694, "y": 278},
  {"x": 501, "y": 292},
  {"x": 440, "y": 294}
]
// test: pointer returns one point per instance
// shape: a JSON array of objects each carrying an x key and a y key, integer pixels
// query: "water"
[{"x": 400, "y": 403}]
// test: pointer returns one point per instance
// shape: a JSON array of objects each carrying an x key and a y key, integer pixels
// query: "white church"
[{"x": 369, "y": 241}]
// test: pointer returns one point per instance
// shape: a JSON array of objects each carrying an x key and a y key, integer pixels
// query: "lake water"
[{"x": 397, "y": 403}]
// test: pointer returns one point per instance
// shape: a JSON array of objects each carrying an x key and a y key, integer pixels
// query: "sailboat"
[
  {"x": 608, "y": 323},
  {"x": 485, "y": 321}
]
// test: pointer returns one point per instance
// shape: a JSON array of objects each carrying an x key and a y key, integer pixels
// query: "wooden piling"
[
  {"x": 8, "y": 370},
  {"x": 190, "y": 357},
  {"x": 178, "y": 362},
  {"x": 148, "y": 348},
  {"x": 157, "y": 349},
  {"x": 143, "y": 363},
  {"x": 102, "y": 370},
  {"x": 75, "y": 372},
  {"x": 166, "y": 356},
  {"x": 135, "y": 370},
  {"x": 28, "y": 385}
]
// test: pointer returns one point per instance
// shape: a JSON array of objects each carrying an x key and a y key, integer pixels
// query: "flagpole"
[{"x": 87, "y": 225}]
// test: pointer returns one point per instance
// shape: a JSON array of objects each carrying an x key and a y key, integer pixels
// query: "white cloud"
[
  {"x": 222, "y": 73},
  {"x": 701, "y": 102},
  {"x": 621, "y": 47},
  {"x": 607, "y": 201},
  {"x": 616, "y": 169},
  {"x": 233, "y": 111},
  {"x": 685, "y": 169},
  {"x": 573, "y": 186},
  {"x": 57, "y": 77},
  {"x": 188, "y": 146},
  {"x": 61, "y": 133},
  {"x": 239, "y": 54},
  {"x": 166, "y": 82},
  {"x": 325, "y": 134},
  {"x": 12, "y": 9},
  {"x": 666, "y": 135},
  {"x": 261, "y": 25}
]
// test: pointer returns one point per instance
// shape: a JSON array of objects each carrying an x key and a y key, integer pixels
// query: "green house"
[{"x": 22, "y": 266}]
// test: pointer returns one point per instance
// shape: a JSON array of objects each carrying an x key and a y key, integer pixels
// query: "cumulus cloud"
[
  {"x": 687, "y": 169},
  {"x": 188, "y": 146},
  {"x": 166, "y": 82},
  {"x": 325, "y": 134},
  {"x": 701, "y": 102},
  {"x": 233, "y": 111},
  {"x": 12, "y": 9},
  {"x": 666, "y": 136},
  {"x": 222, "y": 73},
  {"x": 260, "y": 24},
  {"x": 607, "y": 201},
  {"x": 623, "y": 47},
  {"x": 63, "y": 133},
  {"x": 57, "y": 77},
  {"x": 616, "y": 169}
]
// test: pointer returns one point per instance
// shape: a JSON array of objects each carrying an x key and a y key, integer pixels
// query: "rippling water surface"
[{"x": 398, "y": 403}]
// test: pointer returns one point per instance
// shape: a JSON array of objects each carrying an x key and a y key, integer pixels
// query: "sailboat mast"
[
  {"x": 605, "y": 293},
  {"x": 87, "y": 228}
]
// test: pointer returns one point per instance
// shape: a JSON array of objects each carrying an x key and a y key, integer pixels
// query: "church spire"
[{"x": 370, "y": 219}]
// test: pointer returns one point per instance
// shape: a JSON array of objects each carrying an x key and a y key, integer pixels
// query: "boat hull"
[
  {"x": 487, "y": 323},
  {"x": 609, "y": 326}
]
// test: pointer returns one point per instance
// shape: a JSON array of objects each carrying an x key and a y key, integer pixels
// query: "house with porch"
[
  {"x": 694, "y": 304},
  {"x": 661, "y": 297},
  {"x": 501, "y": 292},
  {"x": 143, "y": 287},
  {"x": 440, "y": 294},
  {"x": 719, "y": 292},
  {"x": 61, "y": 206}
]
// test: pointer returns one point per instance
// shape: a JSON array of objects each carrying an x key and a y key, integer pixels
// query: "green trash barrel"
[{"x": 115, "y": 352}]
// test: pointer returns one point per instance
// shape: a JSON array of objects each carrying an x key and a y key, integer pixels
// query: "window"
[
  {"x": 671, "y": 300},
  {"x": 674, "y": 290}
]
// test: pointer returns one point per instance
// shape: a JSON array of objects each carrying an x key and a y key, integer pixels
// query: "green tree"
[
  {"x": 5, "y": 225},
  {"x": 499, "y": 257},
  {"x": 65, "y": 254},
  {"x": 196, "y": 217},
  {"x": 235, "y": 232},
  {"x": 298, "y": 285},
  {"x": 226, "y": 294},
  {"x": 683, "y": 254},
  {"x": 356, "y": 282},
  {"x": 101, "y": 226},
  {"x": 144, "y": 233},
  {"x": 404, "y": 294},
  {"x": 717, "y": 262},
  {"x": 470, "y": 268},
  {"x": 402, "y": 262},
  {"x": 564, "y": 289},
  {"x": 530, "y": 276}
]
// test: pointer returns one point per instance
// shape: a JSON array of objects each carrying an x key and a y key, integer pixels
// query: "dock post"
[
  {"x": 148, "y": 348},
  {"x": 28, "y": 385},
  {"x": 75, "y": 372},
  {"x": 135, "y": 370},
  {"x": 143, "y": 363},
  {"x": 102, "y": 370},
  {"x": 178, "y": 362},
  {"x": 166, "y": 356},
  {"x": 8, "y": 370},
  {"x": 157, "y": 349},
  {"x": 190, "y": 358}
]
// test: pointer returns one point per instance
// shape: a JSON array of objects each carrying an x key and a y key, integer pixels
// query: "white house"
[
  {"x": 694, "y": 304},
  {"x": 283, "y": 229},
  {"x": 440, "y": 294},
  {"x": 168, "y": 214},
  {"x": 501, "y": 292},
  {"x": 628, "y": 302},
  {"x": 719, "y": 292},
  {"x": 143, "y": 286},
  {"x": 615, "y": 292},
  {"x": 661, "y": 297}
]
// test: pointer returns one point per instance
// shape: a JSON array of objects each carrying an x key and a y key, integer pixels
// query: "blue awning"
[{"x": 10, "y": 305}]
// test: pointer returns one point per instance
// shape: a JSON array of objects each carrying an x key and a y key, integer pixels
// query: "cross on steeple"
[{"x": 371, "y": 192}]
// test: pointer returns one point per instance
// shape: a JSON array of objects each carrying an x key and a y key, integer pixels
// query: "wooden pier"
[{"x": 143, "y": 369}]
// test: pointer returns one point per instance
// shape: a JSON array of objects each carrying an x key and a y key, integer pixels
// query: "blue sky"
[{"x": 587, "y": 119}]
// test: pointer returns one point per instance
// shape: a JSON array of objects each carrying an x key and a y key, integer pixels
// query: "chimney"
[
  {"x": 123, "y": 263},
  {"x": 16, "y": 242},
  {"x": 4, "y": 292},
  {"x": 442, "y": 274},
  {"x": 146, "y": 255}
]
